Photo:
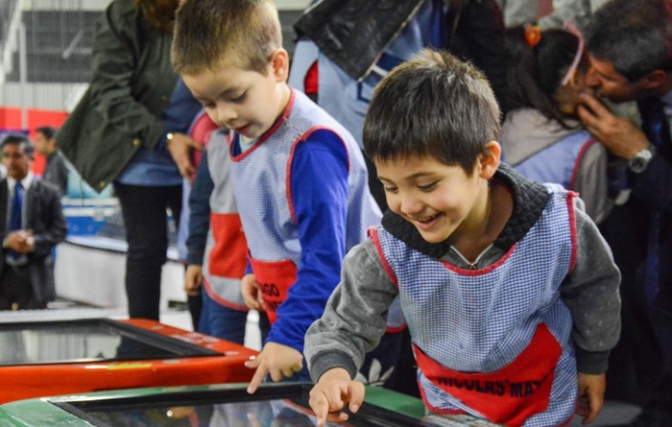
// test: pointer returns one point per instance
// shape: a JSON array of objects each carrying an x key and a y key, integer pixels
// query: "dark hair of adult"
[
  {"x": 49, "y": 132},
  {"x": 534, "y": 74},
  {"x": 634, "y": 35},
  {"x": 433, "y": 105},
  {"x": 19, "y": 140}
]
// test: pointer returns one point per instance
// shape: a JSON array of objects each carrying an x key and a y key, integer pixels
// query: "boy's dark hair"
[
  {"x": 208, "y": 32},
  {"x": 534, "y": 74},
  {"x": 49, "y": 132},
  {"x": 634, "y": 35},
  {"x": 433, "y": 105},
  {"x": 21, "y": 141}
]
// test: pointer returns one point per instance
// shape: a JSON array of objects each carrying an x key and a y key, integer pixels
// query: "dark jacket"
[
  {"x": 44, "y": 216},
  {"x": 647, "y": 327},
  {"x": 131, "y": 86},
  {"x": 353, "y": 33},
  {"x": 56, "y": 172}
]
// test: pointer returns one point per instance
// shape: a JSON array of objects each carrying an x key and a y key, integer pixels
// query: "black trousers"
[
  {"x": 144, "y": 212},
  {"x": 16, "y": 291}
]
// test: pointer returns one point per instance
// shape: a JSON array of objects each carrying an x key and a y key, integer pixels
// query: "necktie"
[
  {"x": 15, "y": 218},
  {"x": 656, "y": 128}
]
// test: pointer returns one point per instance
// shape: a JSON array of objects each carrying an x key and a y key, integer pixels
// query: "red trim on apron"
[
  {"x": 228, "y": 256},
  {"x": 510, "y": 395},
  {"x": 275, "y": 279}
]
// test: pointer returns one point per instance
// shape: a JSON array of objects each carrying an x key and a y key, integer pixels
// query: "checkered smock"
[{"x": 480, "y": 321}]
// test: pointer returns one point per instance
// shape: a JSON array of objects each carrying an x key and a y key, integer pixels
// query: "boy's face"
[
  {"x": 439, "y": 200},
  {"x": 246, "y": 102}
]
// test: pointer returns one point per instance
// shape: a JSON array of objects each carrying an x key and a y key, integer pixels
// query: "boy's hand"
[
  {"x": 591, "y": 396},
  {"x": 332, "y": 392},
  {"x": 277, "y": 360},
  {"x": 193, "y": 279},
  {"x": 251, "y": 295}
]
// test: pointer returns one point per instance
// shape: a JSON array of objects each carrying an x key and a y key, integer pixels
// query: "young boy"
[
  {"x": 506, "y": 285},
  {"x": 299, "y": 178}
]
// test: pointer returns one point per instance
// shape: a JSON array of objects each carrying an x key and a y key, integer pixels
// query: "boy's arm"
[
  {"x": 319, "y": 198},
  {"x": 199, "y": 212},
  {"x": 355, "y": 317},
  {"x": 591, "y": 294}
]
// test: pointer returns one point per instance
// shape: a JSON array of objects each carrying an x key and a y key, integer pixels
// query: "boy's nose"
[
  {"x": 225, "y": 116},
  {"x": 410, "y": 206}
]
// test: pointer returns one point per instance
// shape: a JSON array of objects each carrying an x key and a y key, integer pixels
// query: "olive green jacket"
[{"x": 121, "y": 111}]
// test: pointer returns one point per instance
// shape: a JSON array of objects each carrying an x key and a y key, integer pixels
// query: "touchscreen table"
[
  {"x": 274, "y": 405},
  {"x": 76, "y": 356}
]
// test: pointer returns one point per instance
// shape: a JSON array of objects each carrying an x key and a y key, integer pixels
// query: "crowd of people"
[{"x": 425, "y": 188}]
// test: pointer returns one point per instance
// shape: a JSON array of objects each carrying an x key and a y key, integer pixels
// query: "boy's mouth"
[
  {"x": 426, "y": 222},
  {"x": 242, "y": 129}
]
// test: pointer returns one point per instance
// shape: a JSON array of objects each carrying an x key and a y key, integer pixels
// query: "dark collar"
[{"x": 529, "y": 201}]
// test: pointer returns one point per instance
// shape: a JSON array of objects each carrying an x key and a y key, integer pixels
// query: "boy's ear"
[
  {"x": 489, "y": 159},
  {"x": 280, "y": 64}
]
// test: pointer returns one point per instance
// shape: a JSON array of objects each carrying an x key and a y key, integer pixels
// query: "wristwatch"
[{"x": 641, "y": 160}]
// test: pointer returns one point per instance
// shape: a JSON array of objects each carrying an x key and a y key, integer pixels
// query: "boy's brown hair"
[
  {"x": 208, "y": 32},
  {"x": 433, "y": 105}
]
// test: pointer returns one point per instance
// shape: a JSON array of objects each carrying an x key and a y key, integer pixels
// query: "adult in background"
[
  {"x": 31, "y": 224},
  {"x": 55, "y": 170},
  {"x": 542, "y": 137},
  {"x": 130, "y": 128},
  {"x": 630, "y": 48}
]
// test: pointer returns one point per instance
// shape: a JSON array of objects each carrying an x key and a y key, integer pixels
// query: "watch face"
[{"x": 639, "y": 163}]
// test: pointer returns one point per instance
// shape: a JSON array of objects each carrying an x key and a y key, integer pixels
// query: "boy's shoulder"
[{"x": 320, "y": 118}]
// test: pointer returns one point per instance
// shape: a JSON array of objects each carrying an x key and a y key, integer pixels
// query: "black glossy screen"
[{"x": 86, "y": 341}]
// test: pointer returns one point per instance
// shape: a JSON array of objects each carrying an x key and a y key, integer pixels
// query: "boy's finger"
[
  {"x": 593, "y": 410},
  {"x": 258, "y": 377},
  {"x": 321, "y": 409},
  {"x": 356, "y": 391}
]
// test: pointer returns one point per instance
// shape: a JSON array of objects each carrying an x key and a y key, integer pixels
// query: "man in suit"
[
  {"x": 31, "y": 224},
  {"x": 629, "y": 44}
]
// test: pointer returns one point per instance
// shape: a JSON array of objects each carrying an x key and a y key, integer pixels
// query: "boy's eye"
[
  {"x": 390, "y": 189},
  {"x": 238, "y": 99},
  {"x": 428, "y": 187}
]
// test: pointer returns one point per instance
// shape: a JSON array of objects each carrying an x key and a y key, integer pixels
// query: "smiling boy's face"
[
  {"x": 244, "y": 101},
  {"x": 436, "y": 198}
]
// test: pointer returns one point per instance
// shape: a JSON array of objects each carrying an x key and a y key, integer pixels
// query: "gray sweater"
[{"x": 355, "y": 315}]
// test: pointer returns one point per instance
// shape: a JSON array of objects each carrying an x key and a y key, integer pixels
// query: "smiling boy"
[{"x": 506, "y": 284}]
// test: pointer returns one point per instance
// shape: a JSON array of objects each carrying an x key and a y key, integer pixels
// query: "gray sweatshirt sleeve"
[
  {"x": 355, "y": 316},
  {"x": 591, "y": 294}
]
